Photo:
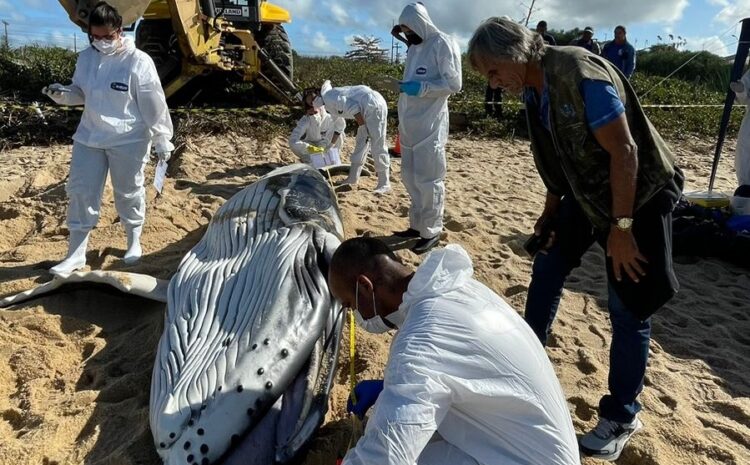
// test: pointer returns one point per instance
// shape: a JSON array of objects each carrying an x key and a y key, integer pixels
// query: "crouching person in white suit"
[
  {"x": 316, "y": 131},
  {"x": 125, "y": 112},
  {"x": 467, "y": 382}
]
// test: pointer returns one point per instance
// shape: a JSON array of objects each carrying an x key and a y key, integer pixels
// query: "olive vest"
[{"x": 569, "y": 159}]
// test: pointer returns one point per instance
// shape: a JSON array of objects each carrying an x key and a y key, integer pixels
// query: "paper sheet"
[
  {"x": 329, "y": 158},
  {"x": 160, "y": 176}
]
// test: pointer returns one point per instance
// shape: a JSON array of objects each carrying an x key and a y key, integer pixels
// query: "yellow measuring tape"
[{"x": 352, "y": 354}]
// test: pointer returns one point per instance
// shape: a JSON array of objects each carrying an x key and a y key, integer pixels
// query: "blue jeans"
[{"x": 628, "y": 354}]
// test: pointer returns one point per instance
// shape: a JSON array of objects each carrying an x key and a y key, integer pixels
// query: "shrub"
[{"x": 24, "y": 71}]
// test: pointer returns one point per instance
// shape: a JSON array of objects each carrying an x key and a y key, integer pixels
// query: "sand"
[{"x": 75, "y": 367}]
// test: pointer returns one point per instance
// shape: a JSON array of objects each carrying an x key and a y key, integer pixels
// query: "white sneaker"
[
  {"x": 134, "y": 252},
  {"x": 607, "y": 440},
  {"x": 76, "y": 258}
]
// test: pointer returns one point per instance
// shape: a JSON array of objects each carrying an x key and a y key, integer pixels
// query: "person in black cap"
[{"x": 586, "y": 40}]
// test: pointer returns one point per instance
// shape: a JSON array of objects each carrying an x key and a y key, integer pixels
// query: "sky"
[{"x": 326, "y": 28}]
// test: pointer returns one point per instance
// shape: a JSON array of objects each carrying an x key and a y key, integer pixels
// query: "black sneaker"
[
  {"x": 409, "y": 233},
  {"x": 423, "y": 245}
]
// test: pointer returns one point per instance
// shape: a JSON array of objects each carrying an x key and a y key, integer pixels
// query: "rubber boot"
[
  {"x": 384, "y": 184},
  {"x": 354, "y": 174},
  {"x": 76, "y": 258},
  {"x": 133, "y": 254}
]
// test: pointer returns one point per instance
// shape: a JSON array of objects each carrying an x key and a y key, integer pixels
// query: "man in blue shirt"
[{"x": 620, "y": 53}]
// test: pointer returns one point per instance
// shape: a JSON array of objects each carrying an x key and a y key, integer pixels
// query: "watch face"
[{"x": 624, "y": 223}]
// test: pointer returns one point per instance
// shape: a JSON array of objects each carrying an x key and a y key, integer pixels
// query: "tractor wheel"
[
  {"x": 156, "y": 37},
  {"x": 275, "y": 42}
]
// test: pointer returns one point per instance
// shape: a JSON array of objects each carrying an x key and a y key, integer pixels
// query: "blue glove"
[
  {"x": 411, "y": 88},
  {"x": 367, "y": 393}
]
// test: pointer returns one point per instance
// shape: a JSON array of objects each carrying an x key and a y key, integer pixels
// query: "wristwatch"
[{"x": 623, "y": 223}]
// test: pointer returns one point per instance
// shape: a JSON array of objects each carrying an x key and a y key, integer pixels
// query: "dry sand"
[{"x": 75, "y": 367}]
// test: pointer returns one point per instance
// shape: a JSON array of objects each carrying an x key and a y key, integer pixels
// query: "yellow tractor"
[{"x": 192, "y": 38}]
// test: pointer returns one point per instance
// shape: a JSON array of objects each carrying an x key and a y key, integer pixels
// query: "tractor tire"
[
  {"x": 275, "y": 41},
  {"x": 156, "y": 37}
]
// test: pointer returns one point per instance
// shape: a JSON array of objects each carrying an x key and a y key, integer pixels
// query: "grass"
[{"x": 24, "y": 71}]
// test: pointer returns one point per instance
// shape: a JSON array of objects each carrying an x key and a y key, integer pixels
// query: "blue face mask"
[{"x": 374, "y": 325}]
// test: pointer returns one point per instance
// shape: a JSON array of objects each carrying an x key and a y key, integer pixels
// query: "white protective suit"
[
  {"x": 742, "y": 157},
  {"x": 125, "y": 111},
  {"x": 423, "y": 119},
  {"x": 466, "y": 366},
  {"x": 317, "y": 130},
  {"x": 345, "y": 102}
]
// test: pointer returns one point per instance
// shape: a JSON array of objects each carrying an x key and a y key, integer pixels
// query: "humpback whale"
[
  {"x": 251, "y": 337},
  {"x": 246, "y": 361}
]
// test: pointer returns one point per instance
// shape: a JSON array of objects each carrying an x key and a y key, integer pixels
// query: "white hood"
[
  {"x": 443, "y": 271},
  {"x": 416, "y": 18}
]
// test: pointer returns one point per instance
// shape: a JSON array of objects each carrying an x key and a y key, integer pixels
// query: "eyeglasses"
[{"x": 111, "y": 36}]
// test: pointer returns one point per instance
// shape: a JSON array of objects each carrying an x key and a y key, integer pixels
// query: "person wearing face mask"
[
  {"x": 370, "y": 110},
  {"x": 432, "y": 73},
  {"x": 610, "y": 178},
  {"x": 466, "y": 381},
  {"x": 316, "y": 130},
  {"x": 125, "y": 113}
]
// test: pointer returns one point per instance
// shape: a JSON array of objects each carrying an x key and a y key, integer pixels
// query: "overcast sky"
[{"x": 324, "y": 28}]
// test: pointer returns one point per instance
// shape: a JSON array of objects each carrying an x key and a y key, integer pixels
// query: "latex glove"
[
  {"x": 164, "y": 156},
  {"x": 411, "y": 88},
  {"x": 315, "y": 149},
  {"x": 737, "y": 87},
  {"x": 55, "y": 92},
  {"x": 367, "y": 393}
]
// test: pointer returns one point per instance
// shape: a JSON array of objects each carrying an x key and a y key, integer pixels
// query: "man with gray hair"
[{"x": 610, "y": 179}]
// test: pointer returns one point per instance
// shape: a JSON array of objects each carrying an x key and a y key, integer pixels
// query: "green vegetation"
[{"x": 24, "y": 71}]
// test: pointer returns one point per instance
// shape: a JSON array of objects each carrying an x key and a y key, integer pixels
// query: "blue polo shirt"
[{"x": 603, "y": 104}]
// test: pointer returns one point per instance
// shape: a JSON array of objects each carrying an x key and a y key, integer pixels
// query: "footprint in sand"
[
  {"x": 586, "y": 363},
  {"x": 456, "y": 226},
  {"x": 583, "y": 410}
]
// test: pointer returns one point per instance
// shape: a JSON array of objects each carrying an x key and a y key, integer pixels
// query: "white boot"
[
  {"x": 76, "y": 258},
  {"x": 384, "y": 184},
  {"x": 133, "y": 254},
  {"x": 354, "y": 174}
]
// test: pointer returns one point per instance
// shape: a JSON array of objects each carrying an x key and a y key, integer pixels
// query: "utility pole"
[
  {"x": 6, "y": 24},
  {"x": 528, "y": 16},
  {"x": 75, "y": 45}
]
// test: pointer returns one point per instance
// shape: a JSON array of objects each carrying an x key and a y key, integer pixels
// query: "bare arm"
[{"x": 615, "y": 138}]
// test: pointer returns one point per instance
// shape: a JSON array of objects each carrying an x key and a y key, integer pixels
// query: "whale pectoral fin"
[
  {"x": 316, "y": 405},
  {"x": 129, "y": 283}
]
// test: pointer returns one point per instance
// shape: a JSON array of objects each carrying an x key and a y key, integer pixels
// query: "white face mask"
[
  {"x": 107, "y": 47},
  {"x": 374, "y": 325},
  {"x": 318, "y": 102}
]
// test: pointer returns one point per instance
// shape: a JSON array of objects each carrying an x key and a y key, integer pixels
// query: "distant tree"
[
  {"x": 366, "y": 48},
  {"x": 563, "y": 37}
]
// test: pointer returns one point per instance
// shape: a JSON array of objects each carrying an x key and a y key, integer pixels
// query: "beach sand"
[{"x": 75, "y": 367}]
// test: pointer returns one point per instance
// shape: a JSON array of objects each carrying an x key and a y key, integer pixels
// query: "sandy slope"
[{"x": 75, "y": 367}]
